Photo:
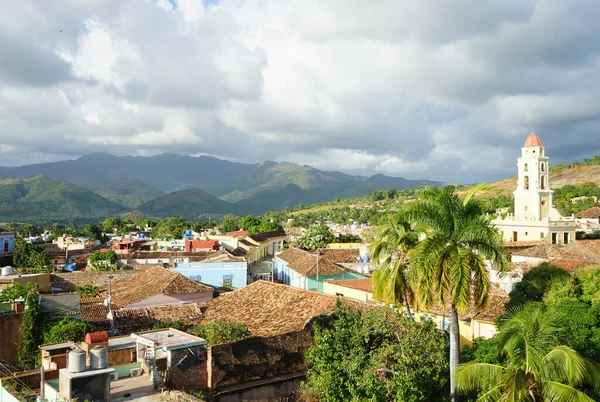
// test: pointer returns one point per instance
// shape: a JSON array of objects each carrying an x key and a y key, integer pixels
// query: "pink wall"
[{"x": 166, "y": 300}]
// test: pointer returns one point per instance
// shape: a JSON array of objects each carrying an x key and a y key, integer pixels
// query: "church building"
[{"x": 535, "y": 217}]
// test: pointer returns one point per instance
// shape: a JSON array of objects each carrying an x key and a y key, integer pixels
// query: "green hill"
[
  {"x": 189, "y": 204},
  {"x": 44, "y": 199},
  {"x": 129, "y": 192}
]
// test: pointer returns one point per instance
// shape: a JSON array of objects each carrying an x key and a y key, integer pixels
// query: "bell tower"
[{"x": 533, "y": 197}]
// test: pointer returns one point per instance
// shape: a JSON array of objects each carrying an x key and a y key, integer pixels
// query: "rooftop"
[
  {"x": 237, "y": 233},
  {"x": 305, "y": 263},
  {"x": 358, "y": 284},
  {"x": 533, "y": 141},
  {"x": 269, "y": 308},
  {"x": 151, "y": 282},
  {"x": 265, "y": 236},
  {"x": 168, "y": 339},
  {"x": 590, "y": 213}
]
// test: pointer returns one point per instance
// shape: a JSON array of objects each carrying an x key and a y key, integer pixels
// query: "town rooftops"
[
  {"x": 305, "y": 263},
  {"x": 269, "y": 308},
  {"x": 168, "y": 339},
  {"x": 590, "y": 213},
  {"x": 237, "y": 233},
  {"x": 151, "y": 282},
  {"x": 266, "y": 236},
  {"x": 358, "y": 284},
  {"x": 68, "y": 281}
]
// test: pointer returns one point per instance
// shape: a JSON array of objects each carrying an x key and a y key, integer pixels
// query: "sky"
[{"x": 444, "y": 90}]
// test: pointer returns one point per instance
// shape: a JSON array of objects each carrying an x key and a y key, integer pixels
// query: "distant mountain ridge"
[
  {"x": 147, "y": 184},
  {"x": 41, "y": 198}
]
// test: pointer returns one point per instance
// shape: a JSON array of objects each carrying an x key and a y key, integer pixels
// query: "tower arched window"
[
  {"x": 526, "y": 184},
  {"x": 543, "y": 182},
  {"x": 543, "y": 167},
  {"x": 526, "y": 167}
]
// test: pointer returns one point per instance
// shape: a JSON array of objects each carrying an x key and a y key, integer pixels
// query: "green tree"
[
  {"x": 448, "y": 265},
  {"x": 93, "y": 231},
  {"x": 230, "y": 223},
  {"x": 15, "y": 291},
  {"x": 27, "y": 230},
  {"x": 389, "y": 252},
  {"x": 67, "y": 329},
  {"x": 31, "y": 332},
  {"x": 217, "y": 332},
  {"x": 316, "y": 237},
  {"x": 111, "y": 224},
  {"x": 248, "y": 222},
  {"x": 377, "y": 356},
  {"x": 28, "y": 256},
  {"x": 537, "y": 367},
  {"x": 583, "y": 285},
  {"x": 536, "y": 283},
  {"x": 88, "y": 290}
]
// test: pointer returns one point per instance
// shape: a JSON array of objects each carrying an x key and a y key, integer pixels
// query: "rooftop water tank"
[
  {"x": 96, "y": 337},
  {"x": 188, "y": 233},
  {"x": 76, "y": 361},
  {"x": 6, "y": 271},
  {"x": 98, "y": 357}
]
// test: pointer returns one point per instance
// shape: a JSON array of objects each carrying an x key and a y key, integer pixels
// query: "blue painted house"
[
  {"x": 230, "y": 274},
  {"x": 305, "y": 270},
  {"x": 7, "y": 242}
]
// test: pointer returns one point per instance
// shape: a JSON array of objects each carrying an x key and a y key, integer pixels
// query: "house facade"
[
  {"x": 7, "y": 243},
  {"x": 230, "y": 274}
]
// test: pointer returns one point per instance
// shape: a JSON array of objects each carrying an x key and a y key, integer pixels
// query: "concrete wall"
[
  {"x": 333, "y": 289},
  {"x": 313, "y": 284},
  {"x": 61, "y": 303},
  {"x": 212, "y": 273},
  {"x": 6, "y": 396},
  {"x": 10, "y": 336},
  {"x": 286, "y": 390}
]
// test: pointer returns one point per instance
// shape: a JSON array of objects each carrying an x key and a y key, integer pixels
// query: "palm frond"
[
  {"x": 557, "y": 392},
  {"x": 476, "y": 376}
]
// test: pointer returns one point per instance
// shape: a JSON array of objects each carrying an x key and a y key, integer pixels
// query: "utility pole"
[{"x": 318, "y": 253}]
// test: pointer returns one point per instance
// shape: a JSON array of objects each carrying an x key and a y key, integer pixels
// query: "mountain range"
[{"x": 167, "y": 184}]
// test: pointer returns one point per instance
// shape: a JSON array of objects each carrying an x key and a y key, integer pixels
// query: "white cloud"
[{"x": 423, "y": 89}]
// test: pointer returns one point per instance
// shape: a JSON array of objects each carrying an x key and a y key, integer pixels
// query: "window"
[
  {"x": 533, "y": 151},
  {"x": 526, "y": 167},
  {"x": 541, "y": 236},
  {"x": 543, "y": 181},
  {"x": 543, "y": 203},
  {"x": 526, "y": 182},
  {"x": 6, "y": 246},
  {"x": 543, "y": 167},
  {"x": 444, "y": 324},
  {"x": 228, "y": 281},
  {"x": 197, "y": 278},
  {"x": 525, "y": 208}
]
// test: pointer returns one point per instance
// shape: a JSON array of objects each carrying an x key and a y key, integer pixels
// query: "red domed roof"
[{"x": 533, "y": 141}]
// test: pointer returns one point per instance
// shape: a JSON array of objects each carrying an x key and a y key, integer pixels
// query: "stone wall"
[
  {"x": 189, "y": 369},
  {"x": 11, "y": 336},
  {"x": 258, "y": 358}
]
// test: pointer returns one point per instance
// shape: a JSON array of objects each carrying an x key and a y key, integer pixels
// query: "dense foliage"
[
  {"x": 16, "y": 291},
  {"x": 220, "y": 332},
  {"x": 88, "y": 290},
  {"x": 562, "y": 197},
  {"x": 67, "y": 329},
  {"x": 377, "y": 356},
  {"x": 535, "y": 283},
  {"x": 537, "y": 365},
  {"x": 315, "y": 237},
  {"x": 30, "y": 256},
  {"x": 31, "y": 332}
]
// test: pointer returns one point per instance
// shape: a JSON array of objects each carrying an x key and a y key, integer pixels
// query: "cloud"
[{"x": 439, "y": 90}]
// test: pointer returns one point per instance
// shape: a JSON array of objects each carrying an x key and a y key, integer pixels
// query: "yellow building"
[
  {"x": 535, "y": 218},
  {"x": 474, "y": 324}
]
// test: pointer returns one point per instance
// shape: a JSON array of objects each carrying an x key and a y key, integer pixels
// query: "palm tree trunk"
[
  {"x": 454, "y": 351},
  {"x": 407, "y": 305}
]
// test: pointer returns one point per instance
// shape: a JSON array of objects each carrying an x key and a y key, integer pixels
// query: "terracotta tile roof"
[
  {"x": 94, "y": 312},
  {"x": 358, "y": 284},
  {"x": 568, "y": 265},
  {"x": 85, "y": 300},
  {"x": 590, "y": 213},
  {"x": 132, "y": 320},
  {"x": 269, "y": 308},
  {"x": 341, "y": 255},
  {"x": 592, "y": 245},
  {"x": 265, "y": 236},
  {"x": 237, "y": 233},
  {"x": 493, "y": 310},
  {"x": 521, "y": 244},
  {"x": 68, "y": 281},
  {"x": 151, "y": 282},
  {"x": 572, "y": 251},
  {"x": 305, "y": 263}
]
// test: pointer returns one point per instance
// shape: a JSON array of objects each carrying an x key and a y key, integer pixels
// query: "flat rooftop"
[
  {"x": 87, "y": 373},
  {"x": 123, "y": 342},
  {"x": 56, "y": 346},
  {"x": 168, "y": 339}
]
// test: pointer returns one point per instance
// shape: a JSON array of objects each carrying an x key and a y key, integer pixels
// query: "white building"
[{"x": 535, "y": 218}]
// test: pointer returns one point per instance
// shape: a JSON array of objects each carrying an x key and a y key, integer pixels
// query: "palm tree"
[
  {"x": 537, "y": 368},
  {"x": 389, "y": 252},
  {"x": 449, "y": 263}
]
